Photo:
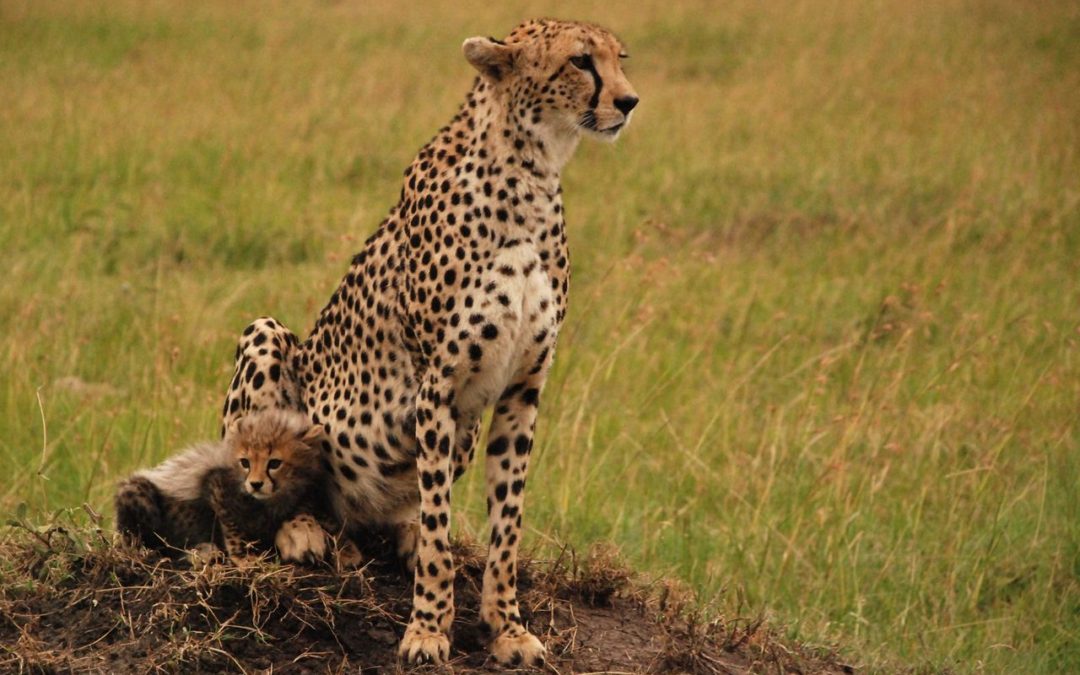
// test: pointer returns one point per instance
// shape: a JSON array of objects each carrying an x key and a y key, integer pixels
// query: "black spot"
[
  {"x": 475, "y": 352},
  {"x": 498, "y": 446},
  {"x": 490, "y": 332},
  {"x": 531, "y": 396},
  {"x": 395, "y": 469},
  {"x": 522, "y": 445},
  {"x": 257, "y": 383},
  {"x": 347, "y": 471}
]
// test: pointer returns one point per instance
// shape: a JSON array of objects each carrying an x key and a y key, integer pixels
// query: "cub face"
[
  {"x": 273, "y": 450},
  {"x": 563, "y": 75}
]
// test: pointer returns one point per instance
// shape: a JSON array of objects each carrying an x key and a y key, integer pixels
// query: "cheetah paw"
[
  {"x": 421, "y": 646},
  {"x": 518, "y": 649},
  {"x": 301, "y": 540}
]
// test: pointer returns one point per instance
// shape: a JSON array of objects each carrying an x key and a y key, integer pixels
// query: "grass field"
[{"x": 822, "y": 359}]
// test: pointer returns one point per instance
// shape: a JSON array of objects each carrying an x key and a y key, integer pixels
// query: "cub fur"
[{"x": 235, "y": 493}]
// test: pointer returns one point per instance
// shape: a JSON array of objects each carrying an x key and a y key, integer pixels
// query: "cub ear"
[
  {"x": 311, "y": 435},
  {"x": 236, "y": 426},
  {"x": 491, "y": 57}
]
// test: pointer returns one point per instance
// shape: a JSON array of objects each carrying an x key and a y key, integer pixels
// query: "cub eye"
[
  {"x": 245, "y": 463},
  {"x": 582, "y": 61},
  {"x": 273, "y": 464}
]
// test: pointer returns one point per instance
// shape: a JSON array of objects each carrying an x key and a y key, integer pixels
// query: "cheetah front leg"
[
  {"x": 406, "y": 523},
  {"x": 506, "y": 466},
  {"x": 427, "y": 638}
]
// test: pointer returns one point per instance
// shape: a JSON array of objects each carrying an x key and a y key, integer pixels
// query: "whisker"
[{"x": 588, "y": 120}]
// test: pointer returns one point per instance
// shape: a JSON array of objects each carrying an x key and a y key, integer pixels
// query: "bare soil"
[{"x": 72, "y": 601}]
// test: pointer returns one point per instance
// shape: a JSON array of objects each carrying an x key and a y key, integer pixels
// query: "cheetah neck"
[
  {"x": 493, "y": 163},
  {"x": 505, "y": 130}
]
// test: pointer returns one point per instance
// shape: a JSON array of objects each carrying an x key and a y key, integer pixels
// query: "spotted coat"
[{"x": 453, "y": 306}]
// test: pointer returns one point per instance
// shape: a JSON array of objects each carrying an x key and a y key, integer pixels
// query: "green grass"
[{"x": 823, "y": 352}]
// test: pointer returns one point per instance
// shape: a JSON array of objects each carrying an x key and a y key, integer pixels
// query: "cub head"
[
  {"x": 273, "y": 451},
  {"x": 562, "y": 77}
]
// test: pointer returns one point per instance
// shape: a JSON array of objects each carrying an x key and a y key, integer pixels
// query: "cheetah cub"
[{"x": 236, "y": 493}]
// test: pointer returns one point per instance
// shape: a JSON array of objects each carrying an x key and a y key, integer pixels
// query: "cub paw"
[
  {"x": 422, "y": 646},
  {"x": 348, "y": 556},
  {"x": 245, "y": 561},
  {"x": 518, "y": 649},
  {"x": 204, "y": 554},
  {"x": 301, "y": 540}
]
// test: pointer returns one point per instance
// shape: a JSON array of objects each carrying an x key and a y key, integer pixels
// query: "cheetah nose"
[
  {"x": 626, "y": 104},
  {"x": 255, "y": 485}
]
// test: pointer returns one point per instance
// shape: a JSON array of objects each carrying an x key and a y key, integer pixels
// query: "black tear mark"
[{"x": 597, "y": 83}]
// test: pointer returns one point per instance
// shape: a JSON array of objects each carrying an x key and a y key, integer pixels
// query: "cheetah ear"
[{"x": 493, "y": 58}]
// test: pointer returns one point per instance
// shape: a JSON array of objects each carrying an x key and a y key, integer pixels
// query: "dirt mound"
[{"x": 72, "y": 601}]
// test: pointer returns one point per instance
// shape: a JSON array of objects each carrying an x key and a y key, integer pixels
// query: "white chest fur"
[{"x": 521, "y": 308}]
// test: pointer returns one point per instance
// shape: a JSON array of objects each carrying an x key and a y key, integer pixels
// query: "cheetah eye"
[
  {"x": 582, "y": 61},
  {"x": 245, "y": 463},
  {"x": 273, "y": 464}
]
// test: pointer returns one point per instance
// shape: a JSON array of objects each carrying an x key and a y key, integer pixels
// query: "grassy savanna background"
[{"x": 821, "y": 359}]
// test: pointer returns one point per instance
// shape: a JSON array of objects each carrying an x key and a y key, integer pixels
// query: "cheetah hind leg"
[
  {"x": 263, "y": 375},
  {"x": 407, "y": 535}
]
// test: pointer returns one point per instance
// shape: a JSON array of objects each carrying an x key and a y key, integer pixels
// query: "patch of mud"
[{"x": 74, "y": 602}]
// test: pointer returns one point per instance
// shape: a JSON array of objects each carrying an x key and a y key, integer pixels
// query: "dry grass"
[
  {"x": 71, "y": 601},
  {"x": 821, "y": 357}
]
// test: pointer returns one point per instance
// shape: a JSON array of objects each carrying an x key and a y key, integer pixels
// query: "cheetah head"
[
  {"x": 274, "y": 451},
  {"x": 560, "y": 78}
]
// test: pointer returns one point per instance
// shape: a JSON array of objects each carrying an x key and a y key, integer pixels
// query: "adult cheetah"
[{"x": 453, "y": 306}]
